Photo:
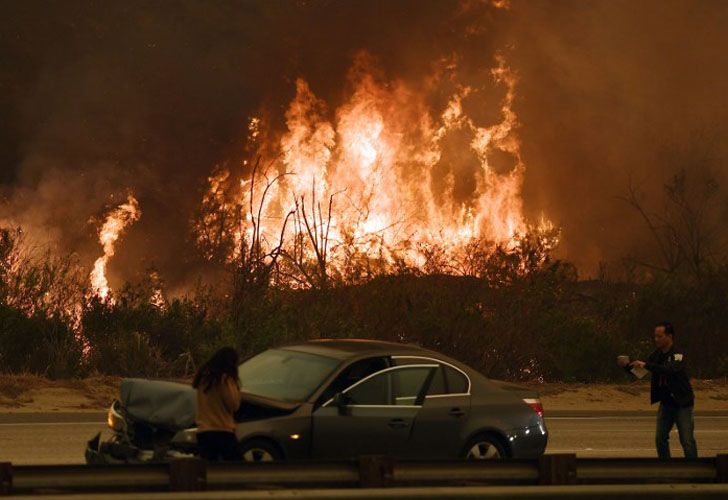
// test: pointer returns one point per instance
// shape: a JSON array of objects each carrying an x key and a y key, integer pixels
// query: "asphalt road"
[
  {"x": 630, "y": 435},
  {"x": 61, "y": 438}
]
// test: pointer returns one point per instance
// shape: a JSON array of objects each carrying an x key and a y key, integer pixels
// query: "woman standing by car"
[{"x": 218, "y": 398}]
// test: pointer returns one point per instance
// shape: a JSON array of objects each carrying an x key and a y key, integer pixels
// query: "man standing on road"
[{"x": 670, "y": 386}]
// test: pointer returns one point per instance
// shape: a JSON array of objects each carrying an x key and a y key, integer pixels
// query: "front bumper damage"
[
  {"x": 114, "y": 451},
  {"x": 110, "y": 452},
  {"x": 137, "y": 442}
]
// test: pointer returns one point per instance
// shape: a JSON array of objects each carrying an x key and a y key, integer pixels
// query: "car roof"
[{"x": 351, "y": 348}]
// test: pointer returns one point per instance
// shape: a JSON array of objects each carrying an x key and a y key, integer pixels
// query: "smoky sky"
[
  {"x": 612, "y": 91},
  {"x": 98, "y": 98}
]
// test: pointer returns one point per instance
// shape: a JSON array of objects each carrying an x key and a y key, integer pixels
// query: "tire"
[
  {"x": 485, "y": 447},
  {"x": 260, "y": 450}
]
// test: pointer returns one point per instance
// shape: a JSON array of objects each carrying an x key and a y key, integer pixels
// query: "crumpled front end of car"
[{"x": 137, "y": 442}]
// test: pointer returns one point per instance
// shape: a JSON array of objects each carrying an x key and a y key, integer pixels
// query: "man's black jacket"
[{"x": 670, "y": 382}]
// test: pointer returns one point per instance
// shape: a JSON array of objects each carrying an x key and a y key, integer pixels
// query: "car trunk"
[{"x": 517, "y": 390}]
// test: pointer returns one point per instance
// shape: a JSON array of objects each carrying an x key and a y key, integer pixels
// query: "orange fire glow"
[
  {"x": 391, "y": 169},
  {"x": 109, "y": 233}
]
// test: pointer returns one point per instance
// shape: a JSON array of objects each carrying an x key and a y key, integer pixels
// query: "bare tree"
[
  {"x": 258, "y": 258},
  {"x": 686, "y": 230},
  {"x": 310, "y": 252},
  {"x": 661, "y": 231}
]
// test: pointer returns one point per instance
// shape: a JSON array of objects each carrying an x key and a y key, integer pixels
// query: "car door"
[
  {"x": 441, "y": 427},
  {"x": 378, "y": 417}
]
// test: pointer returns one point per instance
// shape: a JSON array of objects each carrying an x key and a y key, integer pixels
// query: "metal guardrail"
[{"x": 194, "y": 474}]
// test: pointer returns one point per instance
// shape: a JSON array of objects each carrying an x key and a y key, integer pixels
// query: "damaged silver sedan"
[{"x": 334, "y": 399}]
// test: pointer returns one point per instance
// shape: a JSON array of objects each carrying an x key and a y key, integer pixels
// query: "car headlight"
[
  {"x": 186, "y": 436},
  {"x": 115, "y": 420}
]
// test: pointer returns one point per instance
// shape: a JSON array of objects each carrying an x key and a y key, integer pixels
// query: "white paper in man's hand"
[{"x": 638, "y": 372}]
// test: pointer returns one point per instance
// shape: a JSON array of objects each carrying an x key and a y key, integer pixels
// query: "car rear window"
[{"x": 457, "y": 383}]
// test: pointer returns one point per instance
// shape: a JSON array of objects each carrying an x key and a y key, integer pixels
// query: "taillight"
[{"x": 535, "y": 405}]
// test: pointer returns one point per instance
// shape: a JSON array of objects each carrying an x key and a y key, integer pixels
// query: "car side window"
[
  {"x": 375, "y": 391},
  {"x": 457, "y": 383},
  {"x": 447, "y": 380},
  {"x": 407, "y": 384},
  {"x": 437, "y": 386},
  {"x": 353, "y": 374},
  {"x": 398, "y": 386}
]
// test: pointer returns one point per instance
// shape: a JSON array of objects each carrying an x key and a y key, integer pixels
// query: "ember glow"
[
  {"x": 116, "y": 221},
  {"x": 396, "y": 174}
]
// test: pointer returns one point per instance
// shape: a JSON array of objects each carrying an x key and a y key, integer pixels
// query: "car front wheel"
[
  {"x": 484, "y": 447},
  {"x": 260, "y": 450}
]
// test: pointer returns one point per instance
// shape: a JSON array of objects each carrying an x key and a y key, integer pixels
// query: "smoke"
[
  {"x": 606, "y": 87},
  {"x": 101, "y": 98}
]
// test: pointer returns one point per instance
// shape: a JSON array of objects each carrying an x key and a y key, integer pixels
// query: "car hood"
[
  {"x": 174, "y": 405},
  {"x": 160, "y": 403},
  {"x": 264, "y": 402}
]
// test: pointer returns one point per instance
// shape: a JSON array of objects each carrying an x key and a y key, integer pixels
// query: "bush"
[
  {"x": 38, "y": 345},
  {"x": 134, "y": 337},
  {"x": 515, "y": 314}
]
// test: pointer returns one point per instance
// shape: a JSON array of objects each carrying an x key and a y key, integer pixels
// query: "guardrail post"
[
  {"x": 375, "y": 471},
  {"x": 721, "y": 466},
  {"x": 6, "y": 478},
  {"x": 557, "y": 469},
  {"x": 187, "y": 474}
]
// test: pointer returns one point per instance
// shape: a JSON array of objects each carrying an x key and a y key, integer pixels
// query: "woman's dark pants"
[{"x": 218, "y": 445}]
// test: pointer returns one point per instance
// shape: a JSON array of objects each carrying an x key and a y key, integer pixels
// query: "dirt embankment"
[
  {"x": 30, "y": 393},
  {"x": 711, "y": 395}
]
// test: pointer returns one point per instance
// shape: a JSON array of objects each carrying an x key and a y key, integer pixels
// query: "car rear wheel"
[
  {"x": 485, "y": 447},
  {"x": 260, "y": 450}
]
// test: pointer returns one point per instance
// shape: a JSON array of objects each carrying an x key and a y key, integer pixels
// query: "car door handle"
[
  {"x": 456, "y": 412},
  {"x": 397, "y": 423}
]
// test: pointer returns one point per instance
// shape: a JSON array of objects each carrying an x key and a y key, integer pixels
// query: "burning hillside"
[
  {"x": 359, "y": 168},
  {"x": 465, "y": 119},
  {"x": 384, "y": 175}
]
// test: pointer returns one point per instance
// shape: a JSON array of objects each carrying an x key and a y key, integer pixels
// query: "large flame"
[
  {"x": 396, "y": 174},
  {"x": 109, "y": 233}
]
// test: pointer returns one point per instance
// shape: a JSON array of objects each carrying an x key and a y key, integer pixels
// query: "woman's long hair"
[{"x": 223, "y": 362}]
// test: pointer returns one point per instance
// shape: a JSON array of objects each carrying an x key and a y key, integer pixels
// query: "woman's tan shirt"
[{"x": 215, "y": 408}]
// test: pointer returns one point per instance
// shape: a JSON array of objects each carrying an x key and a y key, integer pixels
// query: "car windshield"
[{"x": 285, "y": 375}]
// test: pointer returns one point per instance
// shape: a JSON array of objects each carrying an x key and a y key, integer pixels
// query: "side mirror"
[{"x": 341, "y": 401}]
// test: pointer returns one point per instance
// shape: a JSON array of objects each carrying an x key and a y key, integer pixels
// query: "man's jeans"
[{"x": 667, "y": 416}]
